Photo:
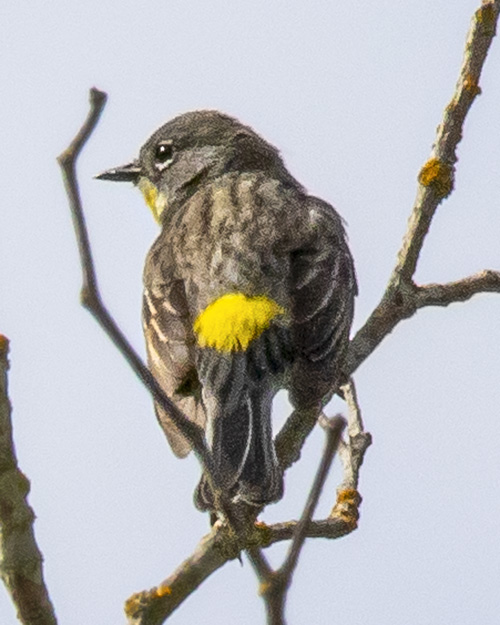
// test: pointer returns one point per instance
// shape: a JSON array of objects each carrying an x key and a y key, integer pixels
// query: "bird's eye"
[{"x": 164, "y": 154}]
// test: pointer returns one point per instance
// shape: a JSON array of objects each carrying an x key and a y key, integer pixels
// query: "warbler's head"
[{"x": 190, "y": 150}]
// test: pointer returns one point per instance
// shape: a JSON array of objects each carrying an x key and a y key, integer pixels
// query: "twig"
[
  {"x": 275, "y": 584},
  {"x": 354, "y": 419},
  {"x": 351, "y": 454},
  {"x": 291, "y": 437},
  {"x": 333, "y": 429},
  {"x": 91, "y": 298},
  {"x": 436, "y": 177},
  {"x": 330, "y": 528},
  {"x": 260, "y": 563},
  {"x": 459, "y": 291},
  {"x": 20, "y": 557},
  {"x": 152, "y": 607}
]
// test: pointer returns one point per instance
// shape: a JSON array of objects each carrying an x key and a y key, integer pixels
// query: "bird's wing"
[
  {"x": 323, "y": 287},
  {"x": 170, "y": 347}
]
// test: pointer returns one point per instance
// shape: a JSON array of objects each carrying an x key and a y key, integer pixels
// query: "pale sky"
[{"x": 351, "y": 93}]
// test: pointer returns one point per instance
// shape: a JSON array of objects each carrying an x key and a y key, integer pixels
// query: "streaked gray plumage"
[{"x": 235, "y": 221}]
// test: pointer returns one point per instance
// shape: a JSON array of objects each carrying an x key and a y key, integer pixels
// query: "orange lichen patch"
[
  {"x": 346, "y": 508},
  {"x": 163, "y": 590},
  {"x": 470, "y": 85},
  {"x": 140, "y": 600},
  {"x": 264, "y": 587},
  {"x": 349, "y": 495},
  {"x": 4, "y": 345},
  {"x": 437, "y": 175},
  {"x": 486, "y": 16}
]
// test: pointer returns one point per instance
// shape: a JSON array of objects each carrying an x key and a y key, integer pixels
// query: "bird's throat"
[{"x": 156, "y": 200}]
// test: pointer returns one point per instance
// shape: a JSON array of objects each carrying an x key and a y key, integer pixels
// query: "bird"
[{"x": 248, "y": 289}]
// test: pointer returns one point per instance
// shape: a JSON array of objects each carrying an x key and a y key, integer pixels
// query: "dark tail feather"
[
  {"x": 243, "y": 451},
  {"x": 261, "y": 478}
]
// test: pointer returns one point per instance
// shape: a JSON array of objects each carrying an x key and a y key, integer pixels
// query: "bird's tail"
[{"x": 243, "y": 451}]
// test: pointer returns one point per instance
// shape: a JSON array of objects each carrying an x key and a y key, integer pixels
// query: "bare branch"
[
  {"x": 402, "y": 297},
  {"x": 152, "y": 607},
  {"x": 486, "y": 281},
  {"x": 351, "y": 455},
  {"x": 260, "y": 564},
  {"x": 275, "y": 584},
  {"x": 67, "y": 160},
  {"x": 294, "y": 432},
  {"x": 274, "y": 603},
  {"x": 333, "y": 429},
  {"x": 91, "y": 298},
  {"x": 274, "y": 594},
  {"x": 436, "y": 177},
  {"x": 20, "y": 558},
  {"x": 354, "y": 418},
  {"x": 331, "y": 528}
]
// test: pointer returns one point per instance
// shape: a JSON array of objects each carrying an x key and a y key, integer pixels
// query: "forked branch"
[
  {"x": 152, "y": 607},
  {"x": 402, "y": 297}
]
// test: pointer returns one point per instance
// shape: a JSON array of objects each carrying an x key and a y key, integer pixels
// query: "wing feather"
[
  {"x": 323, "y": 291},
  {"x": 170, "y": 344}
]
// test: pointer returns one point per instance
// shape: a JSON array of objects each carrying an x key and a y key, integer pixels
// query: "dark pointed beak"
[{"x": 125, "y": 173}]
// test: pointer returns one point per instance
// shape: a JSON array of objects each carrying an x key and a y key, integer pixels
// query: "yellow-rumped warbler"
[{"x": 249, "y": 288}]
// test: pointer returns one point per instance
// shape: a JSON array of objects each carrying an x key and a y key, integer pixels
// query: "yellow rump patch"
[
  {"x": 155, "y": 199},
  {"x": 234, "y": 320}
]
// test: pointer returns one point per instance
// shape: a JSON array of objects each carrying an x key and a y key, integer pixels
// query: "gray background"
[{"x": 351, "y": 92}]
